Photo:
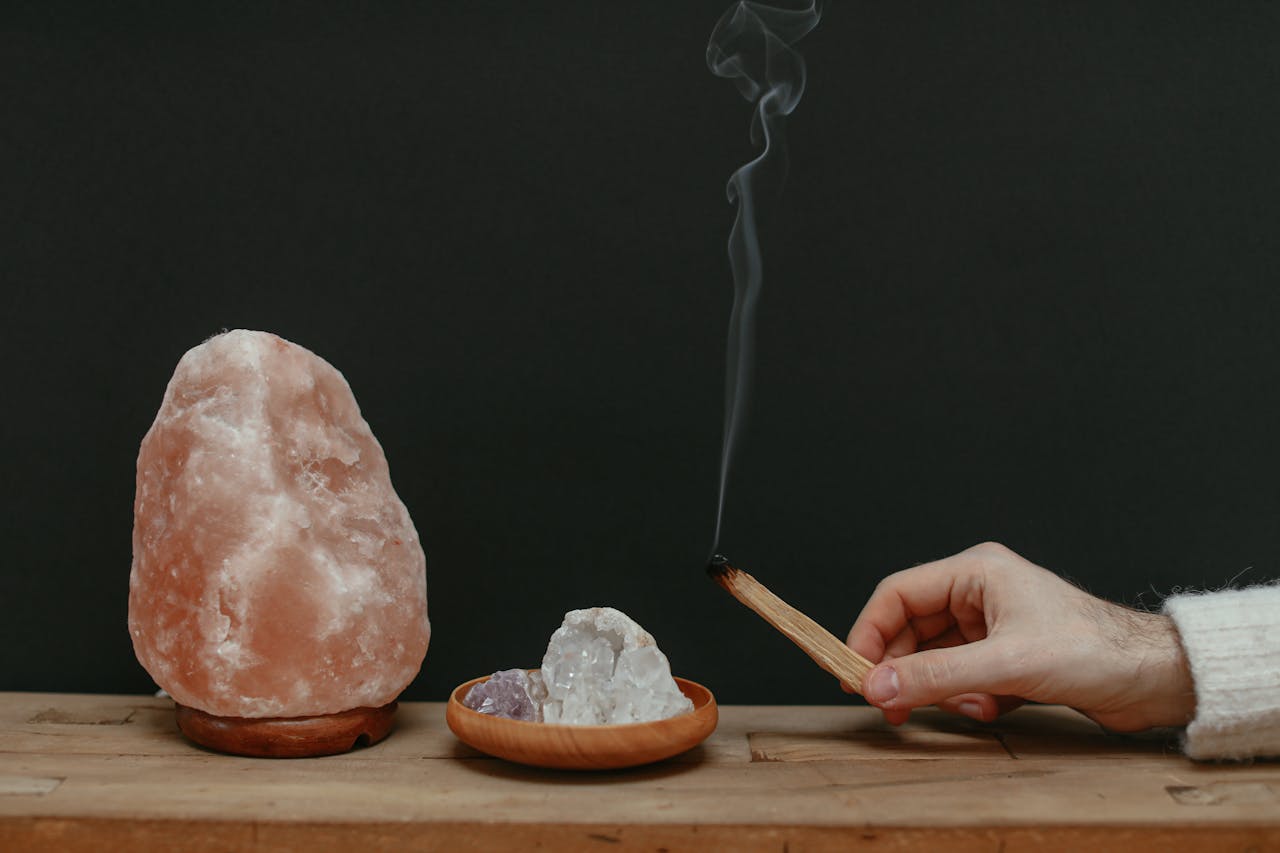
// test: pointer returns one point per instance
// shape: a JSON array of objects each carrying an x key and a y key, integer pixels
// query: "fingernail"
[
  {"x": 971, "y": 709},
  {"x": 882, "y": 685}
]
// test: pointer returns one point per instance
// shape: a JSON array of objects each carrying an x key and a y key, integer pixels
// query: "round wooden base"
[{"x": 288, "y": 737}]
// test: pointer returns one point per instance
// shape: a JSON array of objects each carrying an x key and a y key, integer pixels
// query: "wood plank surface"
[{"x": 112, "y": 772}]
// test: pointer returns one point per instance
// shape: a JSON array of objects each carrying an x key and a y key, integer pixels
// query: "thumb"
[{"x": 930, "y": 676}]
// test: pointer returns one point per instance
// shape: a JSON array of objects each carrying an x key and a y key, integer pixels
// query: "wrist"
[
  {"x": 1147, "y": 681},
  {"x": 1172, "y": 700}
]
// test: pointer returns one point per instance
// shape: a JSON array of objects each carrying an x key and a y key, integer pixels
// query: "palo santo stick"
[{"x": 817, "y": 642}]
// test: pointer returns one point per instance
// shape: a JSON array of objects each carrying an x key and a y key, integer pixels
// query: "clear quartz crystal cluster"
[{"x": 600, "y": 668}]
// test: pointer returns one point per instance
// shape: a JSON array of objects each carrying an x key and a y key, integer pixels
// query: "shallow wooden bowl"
[{"x": 583, "y": 747}]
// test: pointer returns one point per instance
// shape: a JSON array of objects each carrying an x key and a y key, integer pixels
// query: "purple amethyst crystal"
[{"x": 510, "y": 693}]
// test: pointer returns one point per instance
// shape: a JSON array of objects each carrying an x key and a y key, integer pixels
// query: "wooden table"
[{"x": 104, "y": 772}]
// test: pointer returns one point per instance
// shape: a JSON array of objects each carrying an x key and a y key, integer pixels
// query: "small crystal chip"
[{"x": 510, "y": 693}]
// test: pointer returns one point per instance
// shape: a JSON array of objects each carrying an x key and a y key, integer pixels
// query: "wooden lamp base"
[{"x": 288, "y": 737}]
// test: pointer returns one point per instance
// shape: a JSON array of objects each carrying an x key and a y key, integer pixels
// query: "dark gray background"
[{"x": 1020, "y": 286}]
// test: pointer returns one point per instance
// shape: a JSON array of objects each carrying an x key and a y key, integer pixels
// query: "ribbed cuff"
[{"x": 1232, "y": 641}]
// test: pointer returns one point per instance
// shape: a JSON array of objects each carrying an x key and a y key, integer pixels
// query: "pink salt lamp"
[{"x": 278, "y": 590}]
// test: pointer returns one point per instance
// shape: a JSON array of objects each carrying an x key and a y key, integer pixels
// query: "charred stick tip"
[{"x": 720, "y": 570}]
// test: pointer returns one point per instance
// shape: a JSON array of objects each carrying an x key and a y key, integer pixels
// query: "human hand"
[{"x": 983, "y": 631}]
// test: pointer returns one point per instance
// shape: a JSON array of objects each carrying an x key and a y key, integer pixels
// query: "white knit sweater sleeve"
[{"x": 1232, "y": 641}]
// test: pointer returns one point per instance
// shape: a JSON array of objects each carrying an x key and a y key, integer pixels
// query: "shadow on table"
[
  {"x": 480, "y": 764},
  {"x": 1030, "y": 732}
]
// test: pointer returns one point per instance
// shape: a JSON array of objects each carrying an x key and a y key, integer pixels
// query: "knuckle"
[
  {"x": 991, "y": 550},
  {"x": 886, "y": 584},
  {"x": 996, "y": 560}
]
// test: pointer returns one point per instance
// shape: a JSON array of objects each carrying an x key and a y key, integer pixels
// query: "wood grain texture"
[
  {"x": 809, "y": 778},
  {"x": 584, "y": 747},
  {"x": 817, "y": 642},
  {"x": 288, "y": 737}
]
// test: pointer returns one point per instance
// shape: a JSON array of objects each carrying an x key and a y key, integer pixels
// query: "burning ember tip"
[{"x": 718, "y": 567}]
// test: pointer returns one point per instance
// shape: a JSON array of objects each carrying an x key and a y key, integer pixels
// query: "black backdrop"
[{"x": 1020, "y": 286}]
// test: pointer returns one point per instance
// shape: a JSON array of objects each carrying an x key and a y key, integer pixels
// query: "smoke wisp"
[{"x": 752, "y": 46}]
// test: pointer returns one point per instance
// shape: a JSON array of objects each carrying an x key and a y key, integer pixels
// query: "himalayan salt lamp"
[{"x": 278, "y": 590}]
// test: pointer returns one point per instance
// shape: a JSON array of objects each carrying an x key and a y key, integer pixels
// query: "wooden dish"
[{"x": 583, "y": 747}]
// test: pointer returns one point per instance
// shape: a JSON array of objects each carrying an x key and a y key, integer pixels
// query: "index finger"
[{"x": 924, "y": 590}]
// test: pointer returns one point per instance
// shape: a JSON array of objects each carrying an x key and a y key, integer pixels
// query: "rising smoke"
[{"x": 752, "y": 46}]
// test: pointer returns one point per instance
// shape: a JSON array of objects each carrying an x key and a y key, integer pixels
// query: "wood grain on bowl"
[{"x": 584, "y": 747}]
